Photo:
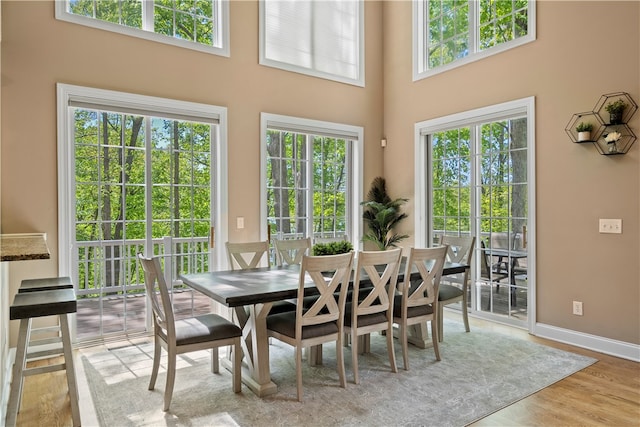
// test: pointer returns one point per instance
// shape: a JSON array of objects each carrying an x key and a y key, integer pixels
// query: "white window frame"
[
  {"x": 359, "y": 81},
  {"x": 66, "y": 174},
  {"x": 420, "y": 20},
  {"x": 521, "y": 107},
  {"x": 354, "y": 133},
  {"x": 222, "y": 24}
]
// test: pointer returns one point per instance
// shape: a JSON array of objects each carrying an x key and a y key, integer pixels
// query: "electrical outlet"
[
  {"x": 610, "y": 226},
  {"x": 240, "y": 222},
  {"x": 577, "y": 308}
]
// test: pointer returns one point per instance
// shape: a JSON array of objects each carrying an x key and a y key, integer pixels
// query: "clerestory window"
[
  {"x": 450, "y": 33},
  {"x": 319, "y": 38},
  {"x": 197, "y": 24}
]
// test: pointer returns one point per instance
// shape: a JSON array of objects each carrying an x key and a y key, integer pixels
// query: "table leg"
[
  {"x": 417, "y": 335},
  {"x": 255, "y": 346}
]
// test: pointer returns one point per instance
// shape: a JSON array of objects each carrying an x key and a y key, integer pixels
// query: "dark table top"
[{"x": 236, "y": 288}]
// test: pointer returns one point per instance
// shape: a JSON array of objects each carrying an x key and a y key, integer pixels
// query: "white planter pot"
[{"x": 584, "y": 136}]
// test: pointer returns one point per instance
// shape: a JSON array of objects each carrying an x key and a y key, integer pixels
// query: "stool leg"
[
  {"x": 15, "y": 396},
  {"x": 69, "y": 367}
]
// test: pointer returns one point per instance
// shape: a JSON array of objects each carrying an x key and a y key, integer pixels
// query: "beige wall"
[
  {"x": 575, "y": 185},
  {"x": 38, "y": 51}
]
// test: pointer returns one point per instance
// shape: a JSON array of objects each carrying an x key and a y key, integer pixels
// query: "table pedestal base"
[{"x": 260, "y": 390}]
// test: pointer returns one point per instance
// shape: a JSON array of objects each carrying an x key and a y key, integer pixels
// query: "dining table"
[{"x": 251, "y": 293}]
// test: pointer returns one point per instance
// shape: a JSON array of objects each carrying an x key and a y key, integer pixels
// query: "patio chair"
[
  {"x": 455, "y": 288},
  {"x": 208, "y": 331}
]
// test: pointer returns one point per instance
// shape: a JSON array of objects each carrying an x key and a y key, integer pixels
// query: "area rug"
[{"x": 480, "y": 373}]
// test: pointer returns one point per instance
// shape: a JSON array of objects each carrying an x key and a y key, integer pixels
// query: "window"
[
  {"x": 319, "y": 38},
  {"x": 475, "y": 177},
  {"x": 450, "y": 33},
  {"x": 311, "y": 178},
  {"x": 197, "y": 24},
  {"x": 139, "y": 175}
]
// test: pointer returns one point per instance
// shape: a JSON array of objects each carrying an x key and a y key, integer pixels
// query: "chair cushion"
[
  {"x": 285, "y": 324},
  {"x": 204, "y": 328},
  {"x": 282, "y": 307},
  {"x": 364, "y": 320},
  {"x": 421, "y": 310},
  {"x": 447, "y": 292}
]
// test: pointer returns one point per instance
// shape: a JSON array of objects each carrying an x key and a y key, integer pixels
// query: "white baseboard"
[
  {"x": 616, "y": 348},
  {"x": 6, "y": 387}
]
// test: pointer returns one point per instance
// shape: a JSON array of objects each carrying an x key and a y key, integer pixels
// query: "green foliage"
[
  {"x": 288, "y": 191},
  {"x": 449, "y": 27},
  {"x": 584, "y": 127},
  {"x": 616, "y": 107},
  {"x": 110, "y": 174},
  {"x": 332, "y": 248},
  {"x": 382, "y": 215},
  {"x": 184, "y": 20}
]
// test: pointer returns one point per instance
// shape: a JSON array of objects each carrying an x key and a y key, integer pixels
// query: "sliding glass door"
[
  {"x": 478, "y": 184},
  {"x": 138, "y": 181}
]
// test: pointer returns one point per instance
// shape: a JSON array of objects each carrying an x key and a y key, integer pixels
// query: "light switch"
[
  {"x": 610, "y": 226},
  {"x": 240, "y": 222}
]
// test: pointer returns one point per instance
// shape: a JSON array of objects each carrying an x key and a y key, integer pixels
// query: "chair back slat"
[
  {"x": 243, "y": 256},
  {"x": 329, "y": 274},
  {"x": 429, "y": 262},
  {"x": 158, "y": 293},
  {"x": 460, "y": 251},
  {"x": 291, "y": 251},
  {"x": 460, "y": 248},
  {"x": 376, "y": 297}
]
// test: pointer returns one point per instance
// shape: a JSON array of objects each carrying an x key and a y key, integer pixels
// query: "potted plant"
[
  {"x": 584, "y": 131},
  {"x": 381, "y": 215},
  {"x": 615, "y": 110},
  {"x": 332, "y": 248}
]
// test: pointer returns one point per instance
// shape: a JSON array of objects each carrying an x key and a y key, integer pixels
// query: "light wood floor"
[{"x": 605, "y": 394}]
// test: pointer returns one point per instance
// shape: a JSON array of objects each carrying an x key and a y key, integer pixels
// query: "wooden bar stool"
[
  {"x": 25, "y": 307},
  {"x": 36, "y": 334},
  {"x": 46, "y": 284}
]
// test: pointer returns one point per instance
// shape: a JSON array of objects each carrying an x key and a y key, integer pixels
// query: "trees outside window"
[
  {"x": 449, "y": 33},
  {"x": 138, "y": 175},
  {"x": 478, "y": 180},
  {"x": 200, "y": 25},
  {"x": 311, "y": 177}
]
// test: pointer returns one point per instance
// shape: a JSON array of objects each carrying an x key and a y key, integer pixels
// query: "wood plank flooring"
[{"x": 605, "y": 394}]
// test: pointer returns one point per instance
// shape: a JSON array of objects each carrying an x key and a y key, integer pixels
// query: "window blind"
[
  {"x": 317, "y": 36},
  {"x": 173, "y": 111}
]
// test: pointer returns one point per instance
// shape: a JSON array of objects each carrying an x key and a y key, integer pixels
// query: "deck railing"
[{"x": 111, "y": 267}]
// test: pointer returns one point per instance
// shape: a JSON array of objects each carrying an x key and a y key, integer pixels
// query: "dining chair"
[
  {"x": 373, "y": 309},
  {"x": 455, "y": 287},
  {"x": 290, "y": 251},
  {"x": 208, "y": 331},
  {"x": 243, "y": 256},
  {"x": 417, "y": 301},
  {"x": 323, "y": 321}
]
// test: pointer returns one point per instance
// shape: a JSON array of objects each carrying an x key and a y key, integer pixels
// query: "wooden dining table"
[{"x": 251, "y": 294}]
